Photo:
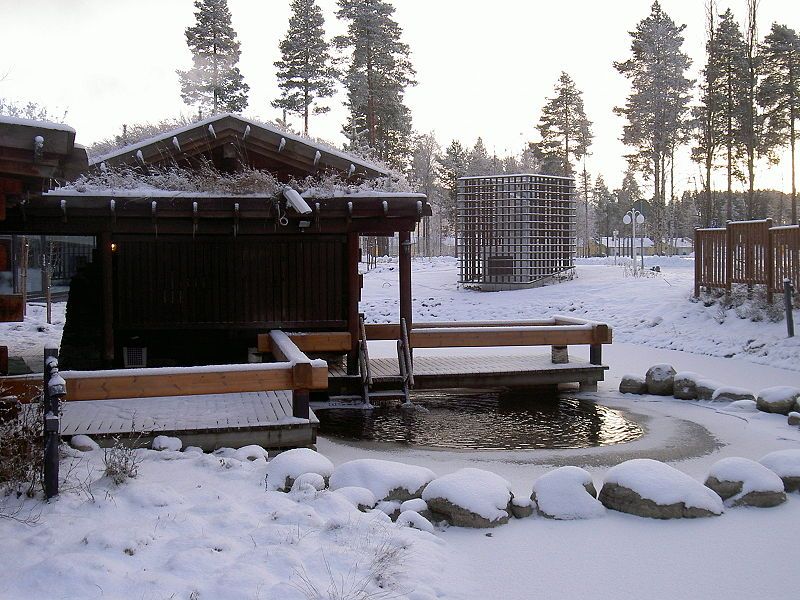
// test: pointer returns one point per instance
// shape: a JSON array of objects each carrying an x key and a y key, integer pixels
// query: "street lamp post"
[{"x": 632, "y": 218}]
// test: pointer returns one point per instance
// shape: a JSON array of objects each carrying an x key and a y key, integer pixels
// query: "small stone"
[
  {"x": 632, "y": 384},
  {"x": 732, "y": 394},
  {"x": 685, "y": 385},
  {"x": 794, "y": 418},
  {"x": 521, "y": 508},
  {"x": 705, "y": 388},
  {"x": 83, "y": 443},
  {"x": 780, "y": 399},
  {"x": 660, "y": 380}
]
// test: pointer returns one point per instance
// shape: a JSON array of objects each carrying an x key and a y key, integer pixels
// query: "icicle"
[
  {"x": 176, "y": 144},
  {"x": 317, "y": 156},
  {"x": 211, "y": 131},
  {"x": 352, "y": 170},
  {"x": 140, "y": 156},
  {"x": 282, "y": 145},
  {"x": 246, "y": 131}
]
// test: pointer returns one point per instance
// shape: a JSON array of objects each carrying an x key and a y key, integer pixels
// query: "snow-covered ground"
[{"x": 203, "y": 526}]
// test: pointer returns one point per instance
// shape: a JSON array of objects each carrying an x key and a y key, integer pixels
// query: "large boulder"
[
  {"x": 288, "y": 466},
  {"x": 744, "y": 482},
  {"x": 469, "y": 498},
  {"x": 685, "y": 385},
  {"x": 387, "y": 480},
  {"x": 793, "y": 419},
  {"x": 732, "y": 394},
  {"x": 649, "y": 488},
  {"x": 632, "y": 384},
  {"x": 566, "y": 493},
  {"x": 781, "y": 399},
  {"x": 705, "y": 388},
  {"x": 786, "y": 465},
  {"x": 660, "y": 380}
]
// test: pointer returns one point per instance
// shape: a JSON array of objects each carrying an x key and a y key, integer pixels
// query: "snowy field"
[{"x": 200, "y": 526}]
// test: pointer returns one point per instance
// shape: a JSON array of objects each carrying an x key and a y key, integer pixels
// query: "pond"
[{"x": 484, "y": 420}]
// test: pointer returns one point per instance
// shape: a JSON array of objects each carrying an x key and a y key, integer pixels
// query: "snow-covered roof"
[
  {"x": 168, "y": 140},
  {"x": 5, "y": 119}
]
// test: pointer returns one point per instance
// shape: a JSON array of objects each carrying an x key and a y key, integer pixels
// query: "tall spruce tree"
[
  {"x": 214, "y": 83},
  {"x": 779, "y": 94},
  {"x": 657, "y": 106},
  {"x": 304, "y": 74},
  {"x": 479, "y": 162},
  {"x": 454, "y": 165},
  {"x": 564, "y": 128},
  {"x": 377, "y": 72},
  {"x": 752, "y": 134},
  {"x": 729, "y": 97}
]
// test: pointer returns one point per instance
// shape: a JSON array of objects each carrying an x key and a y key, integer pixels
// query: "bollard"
[{"x": 788, "y": 288}]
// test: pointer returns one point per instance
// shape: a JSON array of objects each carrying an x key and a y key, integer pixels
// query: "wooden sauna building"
[
  {"x": 191, "y": 278},
  {"x": 515, "y": 231}
]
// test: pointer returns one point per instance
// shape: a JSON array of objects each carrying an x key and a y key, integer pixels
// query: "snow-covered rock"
[
  {"x": 649, "y": 488},
  {"x": 786, "y": 465},
  {"x": 253, "y": 452},
  {"x": 469, "y": 498},
  {"x": 314, "y": 480},
  {"x": 359, "y": 497},
  {"x": 521, "y": 507},
  {"x": 685, "y": 385},
  {"x": 744, "y": 482},
  {"x": 660, "y": 379},
  {"x": 389, "y": 507},
  {"x": 744, "y": 406},
  {"x": 288, "y": 466},
  {"x": 793, "y": 418},
  {"x": 83, "y": 443},
  {"x": 732, "y": 394},
  {"x": 705, "y": 388},
  {"x": 781, "y": 399},
  {"x": 418, "y": 505},
  {"x": 632, "y": 384},
  {"x": 566, "y": 493},
  {"x": 410, "y": 518},
  {"x": 193, "y": 450},
  {"x": 388, "y": 480},
  {"x": 165, "y": 442}
]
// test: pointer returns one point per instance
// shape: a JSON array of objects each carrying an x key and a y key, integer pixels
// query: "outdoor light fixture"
[
  {"x": 632, "y": 218},
  {"x": 296, "y": 201}
]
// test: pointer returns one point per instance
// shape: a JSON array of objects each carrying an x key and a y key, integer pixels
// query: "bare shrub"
[{"x": 121, "y": 462}]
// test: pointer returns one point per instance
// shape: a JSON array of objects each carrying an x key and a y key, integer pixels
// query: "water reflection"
[{"x": 485, "y": 421}]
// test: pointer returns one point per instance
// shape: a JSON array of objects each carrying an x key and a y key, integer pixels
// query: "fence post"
[
  {"x": 788, "y": 288},
  {"x": 697, "y": 260},
  {"x": 770, "y": 264},
  {"x": 728, "y": 257},
  {"x": 53, "y": 391}
]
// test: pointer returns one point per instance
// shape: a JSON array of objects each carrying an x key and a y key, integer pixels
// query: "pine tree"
[
  {"x": 454, "y": 165},
  {"x": 214, "y": 82},
  {"x": 304, "y": 72},
  {"x": 752, "y": 134},
  {"x": 377, "y": 73},
  {"x": 657, "y": 107},
  {"x": 479, "y": 162},
  {"x": 604, "y": 208},
  {"x": 564, "y": 128},
  {"x": 728, "y": 97},
  {"x": 424, "y": 175},
  {"x": 779, "y": 94}
]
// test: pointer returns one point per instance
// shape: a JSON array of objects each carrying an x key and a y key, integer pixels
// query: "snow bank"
[
  {"x": 387, "y": 480},
  {"x": 288, "y": 466},
  {"x": 567, "y": 493},
  {"x": 651, "y": 488},
  {"x": 475, "y": 491}
]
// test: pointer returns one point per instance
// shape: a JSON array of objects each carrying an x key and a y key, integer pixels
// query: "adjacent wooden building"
[{"x": 182, "y": 279}]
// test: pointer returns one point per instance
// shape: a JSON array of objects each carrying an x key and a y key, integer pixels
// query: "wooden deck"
[
  {"x": 439, "y": 372},
  {"x": 210, "y": 421}
]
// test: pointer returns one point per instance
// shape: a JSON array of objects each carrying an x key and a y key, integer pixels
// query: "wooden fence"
[{"x": 748, "y": 252}]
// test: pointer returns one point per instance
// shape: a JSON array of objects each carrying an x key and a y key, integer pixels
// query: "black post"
[
  {"x": 788, "y": 288},
  {"x": 53, "y": 392},
  {"x": 596, "y": 354},
  {"x": 300, "y": 407}
]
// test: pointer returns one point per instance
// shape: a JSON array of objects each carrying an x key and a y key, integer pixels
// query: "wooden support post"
[
  {"x": 53, "y": 391},
  {"x": 698, "y": 260},
  {"x": 769, "y": 261},
  {"x": 3, "y": 360},
  {"x": 405, "y": 278},
  {"x": 107, "y": 274},
  {"x": 353, "y": 297},
  {"x": 300, "y": 404},
  {"x": 560, "y": 355},
  {"x": 728, "y": 257},
  {"x": 596, "y": 354}
]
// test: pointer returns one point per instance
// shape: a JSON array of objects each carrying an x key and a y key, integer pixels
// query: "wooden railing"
[{"x": 747, "y": 252}]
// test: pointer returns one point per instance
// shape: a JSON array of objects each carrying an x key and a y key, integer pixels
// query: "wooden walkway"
[
  {"x": 439, "y": 372},
  {"x": 209, "y": 421}
]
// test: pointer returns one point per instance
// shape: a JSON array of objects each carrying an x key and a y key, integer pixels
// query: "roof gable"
[{"x": 230, "y": 140}]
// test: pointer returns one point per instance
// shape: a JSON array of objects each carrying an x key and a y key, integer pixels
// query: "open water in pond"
[{"x": 484, "y": 420}]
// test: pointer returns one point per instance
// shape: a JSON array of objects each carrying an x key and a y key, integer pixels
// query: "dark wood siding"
[{"x": 241, "y": 283}]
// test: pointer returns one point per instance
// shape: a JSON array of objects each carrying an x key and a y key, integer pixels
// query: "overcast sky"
[{"x": 484, "y": 69}]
